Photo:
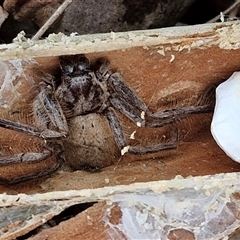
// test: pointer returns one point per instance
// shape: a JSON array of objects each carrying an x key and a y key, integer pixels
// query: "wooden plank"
[{"x": 167, "y": 68}]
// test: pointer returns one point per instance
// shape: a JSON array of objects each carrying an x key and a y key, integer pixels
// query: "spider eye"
[
  {"x": 67, "y": 69},
  {"x": 66, "y": 65},
  {"x": 83, "y": 67},
  {"x": 83, "y": 64}
]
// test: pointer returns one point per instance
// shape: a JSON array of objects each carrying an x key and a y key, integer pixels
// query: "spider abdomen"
[{"x": 90, "y": 142}]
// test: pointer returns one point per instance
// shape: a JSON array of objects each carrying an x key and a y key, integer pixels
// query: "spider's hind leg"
[
  {"x": 50, "y": 149},
  {"x": 121, "y": 141},
  {"x": 158, "y": 147}
]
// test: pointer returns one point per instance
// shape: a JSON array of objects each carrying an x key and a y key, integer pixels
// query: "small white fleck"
[
  {"x": 44, "y": 220},
  {"x": 132, "y": 135},
  {"x": 106, "y": 180},
  {"x": 113, "y": 35},
  {"x": 161, "y": 51},
  {"x": 73, "y": 34},
  {"x": 172, "y": 58},
  {"x": 138, "y": 124},
  {"x": 89, "y": 220},
  {"x": 142, "y": 115},
  {"x": 109, "y": 202},
  {"x": 125, "y": 150},
  {"x": 222, "y": 17}
]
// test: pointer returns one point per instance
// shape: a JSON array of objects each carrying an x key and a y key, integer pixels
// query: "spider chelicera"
[{"x": 84, "y": 90}]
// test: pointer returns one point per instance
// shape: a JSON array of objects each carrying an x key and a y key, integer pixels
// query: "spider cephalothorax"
[{"x": 85, "y": 90}]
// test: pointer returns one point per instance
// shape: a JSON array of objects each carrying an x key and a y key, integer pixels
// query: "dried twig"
[
  {"x": 234, "y": 6},
  {"x": 51, "y": 20}
]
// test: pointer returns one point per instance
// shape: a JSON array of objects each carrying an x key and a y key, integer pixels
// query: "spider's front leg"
[
  {"x": 121, "y": 96},
  {"x": 48, "y": 113},
  {"x": 127, "y": 101}
]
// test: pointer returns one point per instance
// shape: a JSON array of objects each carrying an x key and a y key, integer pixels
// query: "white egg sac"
[{"x": 225, "y": 126}]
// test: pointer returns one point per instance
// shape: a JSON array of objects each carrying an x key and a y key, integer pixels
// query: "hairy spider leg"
[
  {"x": 47, "y": 111},
  {"x": 115, "y": 126},
  {"x": 121, "y": 141},
  {"x": 31, "y": 176},
  {"x": 51, "y": 148},
  {"x": 159, "y": 119},
  {"x": 28, "y": 129},
  {"x": 127, "y": 102},
  {"x": 205, "y": 104},
  {"x": 20, "y": 127},
  {"x": 158, "y": 147}
]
